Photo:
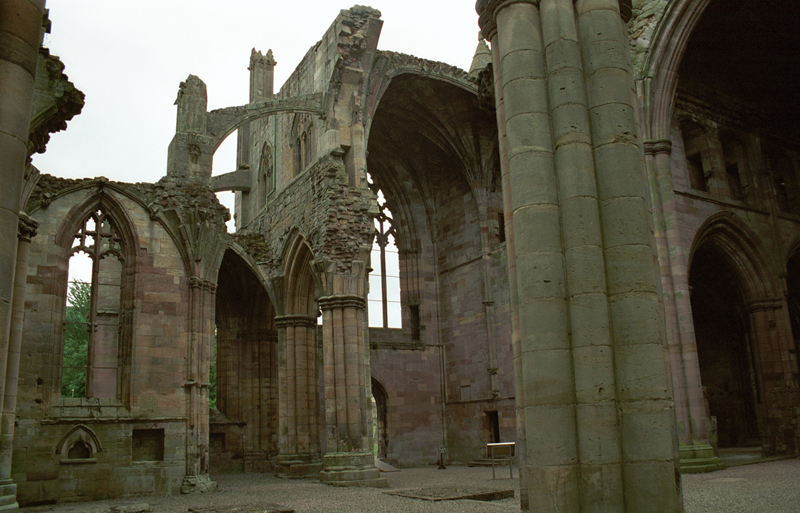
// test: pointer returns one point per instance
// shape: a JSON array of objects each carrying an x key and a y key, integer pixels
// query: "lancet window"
[
  {"x": 90, "y": 357},
  {"x": 384, "y": 281}
]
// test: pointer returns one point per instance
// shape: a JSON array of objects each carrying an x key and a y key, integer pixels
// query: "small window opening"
[
  {"x": 735, "y": 182},
  {"x": 501, "y": 227},
  {"x": 697, "y": 177},
  {"x": 415, "y": 323}
]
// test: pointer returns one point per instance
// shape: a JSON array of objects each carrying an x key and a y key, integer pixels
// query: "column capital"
[
  {"x": 655, "y": 147},
  {"x": 295, "y": 320},
  {"x": 487, "y": 11},
  {"x": 27, "y": 227},
  {"x": 341, "y": 301},
  {"x": 196, "y": 282}
]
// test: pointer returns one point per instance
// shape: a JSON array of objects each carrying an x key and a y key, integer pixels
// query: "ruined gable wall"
[{"x": 158, "y": 352}]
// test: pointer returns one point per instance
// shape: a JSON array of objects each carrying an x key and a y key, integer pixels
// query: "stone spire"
[{"x": 482, "y": 58}]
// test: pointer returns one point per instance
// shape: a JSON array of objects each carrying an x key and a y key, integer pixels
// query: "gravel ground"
[
  {"x": 772, "y": 487},
  {"x": 760, "y": 488}
]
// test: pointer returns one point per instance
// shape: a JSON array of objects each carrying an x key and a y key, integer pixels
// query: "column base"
[
  {"x": 297, "y": 466},
  {"x": 198, "y": 484},
  {"x": 699, "y": 457},
  {"x": 8, "y": 496},
  {"x": 351, "y": 469}
]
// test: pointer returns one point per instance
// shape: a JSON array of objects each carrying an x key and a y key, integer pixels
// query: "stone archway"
[
  {"x": 722, "y": 327},
  {"x": 741, "y": 329},
  {"x": 244, "y": 424}
]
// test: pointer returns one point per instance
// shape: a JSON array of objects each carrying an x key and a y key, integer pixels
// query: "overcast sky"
[{"x": 129, "y": 58}]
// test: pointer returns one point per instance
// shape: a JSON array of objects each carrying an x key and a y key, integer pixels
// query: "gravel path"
[{"x": 761, "y": 488}]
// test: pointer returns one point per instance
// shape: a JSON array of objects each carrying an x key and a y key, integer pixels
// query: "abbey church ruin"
[{"x": 587, "y": 244}]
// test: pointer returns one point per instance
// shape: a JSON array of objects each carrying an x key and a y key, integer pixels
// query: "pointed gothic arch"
[
  {"x": 101, "y": 228},
  {"x": 741, "y": 330}
]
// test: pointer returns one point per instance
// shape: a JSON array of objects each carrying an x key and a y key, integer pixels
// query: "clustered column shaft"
[
  {"x": 349, "y": 455},
  {"x": 298, "y": 393},
  {"x": 202, "y": 300},
  {"x": 591, "y": 374}
]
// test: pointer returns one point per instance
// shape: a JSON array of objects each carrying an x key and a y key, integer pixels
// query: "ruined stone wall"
[
  {"x": 412, "y": 379},
  {"x": 138, "y": 437},
  {"x": 319, "y": 71}
]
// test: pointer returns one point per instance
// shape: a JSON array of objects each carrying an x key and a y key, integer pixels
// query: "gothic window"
[
  {"x": 297, "y": 157},
  {"x": 90, "y": 356},
  {"x": 384, "y": 281},
  {"x": 302, "y": 137}
]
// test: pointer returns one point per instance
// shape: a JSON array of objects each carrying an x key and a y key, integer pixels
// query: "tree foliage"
[{"x": 76, "y": 340}]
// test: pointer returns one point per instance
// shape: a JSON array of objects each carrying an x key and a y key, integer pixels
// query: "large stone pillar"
[
  {"x": 592, "y": 377},
  {"x": 692, "y": 421},
  {"x": 643, "y": 399},
  {"x": 20, "y": 36},
  {"x": 8, "y": 489},
  {"x": 349, "y": 459},
  {"x": 298, "y": 396}
]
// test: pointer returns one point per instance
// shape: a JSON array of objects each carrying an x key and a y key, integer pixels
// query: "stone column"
[
  {"x": 202, "y": 302},
  {"x": 591, "y": 376},
  {"x": 20, "y": 36},
  {"x": 543, "y": 374},
  {"x": 349, "y": 459},
  {"x": 587, "y": 289},
  {"x": 298, "y": 397},
  {"x": 696, "y": 452},
  {"x": 8, "y": 489},
  {"x": 647, "y": 423}
]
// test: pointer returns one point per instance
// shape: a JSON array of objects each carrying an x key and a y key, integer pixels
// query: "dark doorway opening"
[
  {"x": 723, "y": 348},
  {"x": 379, "y": 393}
]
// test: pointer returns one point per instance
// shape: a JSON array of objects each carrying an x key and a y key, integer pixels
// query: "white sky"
[{"x": 129, "y": 58}]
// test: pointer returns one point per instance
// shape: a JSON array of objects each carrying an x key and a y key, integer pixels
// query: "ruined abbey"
[{"x": 587, "y": 244}]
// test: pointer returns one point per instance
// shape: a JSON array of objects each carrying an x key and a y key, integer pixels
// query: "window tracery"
[
  {"x": 90, "y": 355},
  {"x": 384, "y": 290}
]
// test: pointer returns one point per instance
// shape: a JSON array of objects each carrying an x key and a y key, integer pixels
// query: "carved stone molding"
[
  {"x": 342, "y": 301},
  {"x": 27, "y": 227},
  {"x": 296, "y": 321},
  {"x": 659, "y": 146}
]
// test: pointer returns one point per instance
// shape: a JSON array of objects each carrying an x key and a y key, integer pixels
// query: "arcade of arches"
[{"x": 528, "y": 199}]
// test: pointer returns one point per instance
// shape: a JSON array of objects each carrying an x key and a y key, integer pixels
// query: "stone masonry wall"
[{"x": 152, "y": 414}]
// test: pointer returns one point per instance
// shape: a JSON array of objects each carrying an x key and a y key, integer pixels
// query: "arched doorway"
[
  {"x": 722, "y": 328},
  {"x": 381, "y": 408}
]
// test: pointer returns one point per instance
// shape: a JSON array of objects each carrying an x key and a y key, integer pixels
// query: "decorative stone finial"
[
  {"x": 482, "y": 58},
  {"x": 256, "y": 57}
]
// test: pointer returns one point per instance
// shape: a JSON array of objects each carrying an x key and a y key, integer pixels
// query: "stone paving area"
[{"x": 770, "y": 487}]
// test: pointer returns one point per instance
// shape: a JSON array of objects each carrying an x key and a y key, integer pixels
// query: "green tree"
[
  {"x": 76, "y": 340},
  {"x": 212, "y": 374}
]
